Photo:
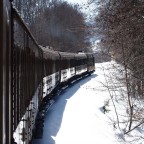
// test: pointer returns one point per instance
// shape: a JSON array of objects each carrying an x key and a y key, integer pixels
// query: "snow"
[{"x": 77, "y": 116}]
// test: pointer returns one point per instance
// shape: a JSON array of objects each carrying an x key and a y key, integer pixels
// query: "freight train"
[{"x": 29, "y": 74}]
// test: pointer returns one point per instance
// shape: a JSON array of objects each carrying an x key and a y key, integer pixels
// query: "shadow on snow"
[{"x": 53, "y": 118}]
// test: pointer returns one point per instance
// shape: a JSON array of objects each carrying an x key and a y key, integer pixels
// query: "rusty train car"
[{"x": 29, "y": 73}]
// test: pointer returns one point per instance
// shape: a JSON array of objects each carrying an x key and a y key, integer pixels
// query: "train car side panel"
[
  {"x": 90, "y": 63},
  {"x": 67, "y": 66},
  {"x": 5, "y": 68},
  {"x": 51, "y": 70},
  {"x": 81, "y": 63},
  {"x": 27, "y": 85}
]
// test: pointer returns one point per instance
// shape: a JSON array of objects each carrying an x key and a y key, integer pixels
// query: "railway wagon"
[
  {"x": 81, "y": 63},
  {"x": 90, "y": 62},
  {"x": 51, "y": 70},
  {"x": 67, "y": 66}
]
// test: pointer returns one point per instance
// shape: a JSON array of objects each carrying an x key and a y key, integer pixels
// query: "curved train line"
[{"x": 29, "y": 76}]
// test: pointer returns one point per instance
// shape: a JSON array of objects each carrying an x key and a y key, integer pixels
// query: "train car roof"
[
  {"x": 89, "y": 54},
  {"x": 80, "y": 55},
  {"x": 49, "y": 53},
  {"x": 67, "y": 55}
]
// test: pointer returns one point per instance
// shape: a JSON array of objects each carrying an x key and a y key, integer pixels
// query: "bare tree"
[
  {"x": 61, "y": 26},
  {"x": 121, "y": 26}
]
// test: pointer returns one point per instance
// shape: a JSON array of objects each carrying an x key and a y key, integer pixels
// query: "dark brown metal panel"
[
  {"x": 8, "y": 74},
  {"x": 5, "y": 75},
  {"x": 90, "y": 62},
  {"x": 2, "y": 86},
  {"x": 27, "y": 71}
]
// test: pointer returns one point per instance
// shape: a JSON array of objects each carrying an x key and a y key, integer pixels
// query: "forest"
[
  {"x": 120, "y": 24},
  {"x": 55, "y": 24}
]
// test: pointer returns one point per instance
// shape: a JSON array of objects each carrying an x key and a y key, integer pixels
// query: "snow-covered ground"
[{"x": 77, "y": 115}]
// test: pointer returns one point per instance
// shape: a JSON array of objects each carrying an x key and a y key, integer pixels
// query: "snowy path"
[{"x": 76, "y": 117}]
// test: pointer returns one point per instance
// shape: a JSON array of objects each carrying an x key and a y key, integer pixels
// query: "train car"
[
  {"x": 5, "y": 69},
  {"x": 67, "y": 66},
  {"x": 51, "y": 70},
  {"x": 27, "y": 74},
  {"x": 80, "y": 63},
  {"x": 90, "y": 63}
]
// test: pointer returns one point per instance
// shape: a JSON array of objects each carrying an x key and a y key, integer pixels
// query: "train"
[{"x": 29, "y": 76}]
